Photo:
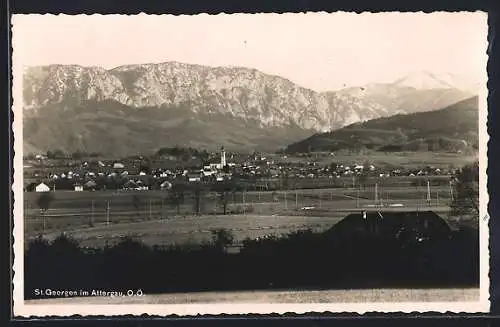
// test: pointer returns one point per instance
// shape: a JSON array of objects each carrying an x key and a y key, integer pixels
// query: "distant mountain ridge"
[
  {"x": 174, "y": 101},
  {"x": 454, "y": 128}
]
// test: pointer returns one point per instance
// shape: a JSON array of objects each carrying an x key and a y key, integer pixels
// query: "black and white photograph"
[{"x": 250, "y": 163}]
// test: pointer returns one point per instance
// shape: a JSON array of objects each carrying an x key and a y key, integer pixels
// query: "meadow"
[
  {"x": 405, "y": 160},
  {"x": 151, "y": 217}
]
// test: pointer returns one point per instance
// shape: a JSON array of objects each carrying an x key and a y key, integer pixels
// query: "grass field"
[
  {"x": 399, "y": 159},
  {"x": 156, "y": 222},
  {"x": 196, "y": 230},
  {"x": 150, "y": 216}
]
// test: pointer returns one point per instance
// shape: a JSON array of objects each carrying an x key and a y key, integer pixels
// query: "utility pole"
[
  {"x": 381, "y": 197},
  {"x": 150, "y": 213},
  {"x": 107, "y": 212},
  {"x": 428, "y": 193},
  {"x": 243, "y": 201},
  {"x": 296, "y": 200},
  {"x": 320, "y": 200},
  {"x": 376, "y": 193},
  {"x": 357, "y": 198},
  {"x": 451, "y": 191},
  {"x": 286, "y": 206},
  {"x": 44, "y": 221}
]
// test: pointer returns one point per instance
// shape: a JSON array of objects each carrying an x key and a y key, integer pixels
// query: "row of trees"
[
  {"x": 180, "y": 152},
  {"x": 301, "y": 259},
  {"x": 184, "y": 153},
  {"x": 175, "y": 197},
  {"x": 466, "y": 191},
  {"x": 224, "y": 193},
  {"x": 60, "y": 154}
]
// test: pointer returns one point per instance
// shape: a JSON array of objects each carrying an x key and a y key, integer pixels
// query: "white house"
[
  {"x": 78, "y": 188},
  {"x": 192, "y": 177},
  {"x": 215, "y": 166},
  {"x": 42, "y": 188},
  {"x": 359, "y": 167},
  {"x": 118, "y": 165},
  {"x": 207, "y": 172}
]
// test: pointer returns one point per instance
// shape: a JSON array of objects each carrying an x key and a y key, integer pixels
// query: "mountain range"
[
  {"x": 454, "y": 128},
  {"x": 141, "y": 108}
]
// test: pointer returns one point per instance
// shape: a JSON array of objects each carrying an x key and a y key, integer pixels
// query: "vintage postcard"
[{"x": 250, "y": 163}]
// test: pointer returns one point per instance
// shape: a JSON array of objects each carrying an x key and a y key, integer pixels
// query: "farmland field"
[
  {"x": 400, "y": 159},
  {"x": 196, "y": 230},
  {"x": 149, "y": 216}
]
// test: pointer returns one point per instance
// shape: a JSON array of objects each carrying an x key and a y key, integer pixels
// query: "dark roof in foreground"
[{"x": 391, "y": 223}]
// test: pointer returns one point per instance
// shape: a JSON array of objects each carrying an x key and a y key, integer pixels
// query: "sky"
[{"x": 320, "y": 51}]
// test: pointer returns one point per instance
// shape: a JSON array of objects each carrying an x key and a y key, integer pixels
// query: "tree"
[
  {"x": 362, "y": 179},
  {"x": 222, "y": 238},
  {"x": 176, "y": 198},
  {"x": 224, "y": 194},
  {"x": 198, "y": 193},
  {"x": 275, "y": 196},
  {"x": 466, "y": 191},
  {"x": 77, "y": 155},
  {"x": 136, "y": 203},
  {"x": 43, "y": 202},
  {"x": 56, "y": 154}
]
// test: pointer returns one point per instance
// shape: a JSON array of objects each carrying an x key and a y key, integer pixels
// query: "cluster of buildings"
[
  {"x": 120, "y": 175},
  {"x": 134, "y": 175},
  {"x": 313, "y": 169}
]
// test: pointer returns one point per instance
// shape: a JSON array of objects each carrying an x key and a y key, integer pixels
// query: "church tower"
[{"x": 223, "y": 158}]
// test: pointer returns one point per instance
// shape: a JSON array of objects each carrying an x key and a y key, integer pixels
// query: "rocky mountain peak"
[{"x": 215, "y": 93}]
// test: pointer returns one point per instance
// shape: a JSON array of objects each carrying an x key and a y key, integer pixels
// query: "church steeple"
[{"x": 223, "y": 157}]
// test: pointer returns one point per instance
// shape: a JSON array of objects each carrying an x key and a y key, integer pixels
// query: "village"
[{"x": 256, "y": 170}]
